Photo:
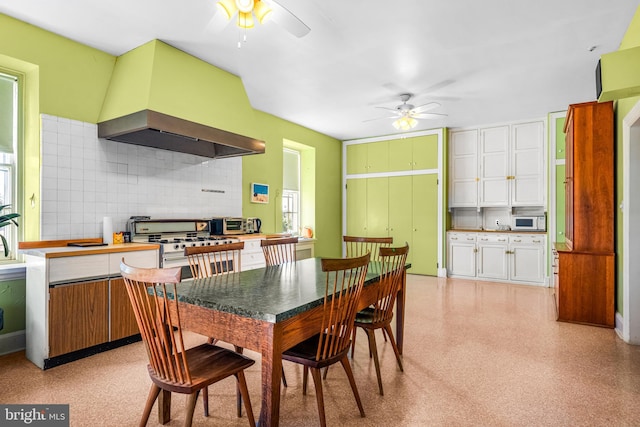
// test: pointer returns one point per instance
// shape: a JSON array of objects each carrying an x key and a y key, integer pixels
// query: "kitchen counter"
[
  {"x": 68, "y": 251},
  {"x": 265, "y": 236},
  {"x": 464, "y": 230}
]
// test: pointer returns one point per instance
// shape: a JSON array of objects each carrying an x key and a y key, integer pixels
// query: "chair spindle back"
[
  {"x": 150, "y": 291},
  {"x": 357, "y": 246},
  {"x": 344, "y": 281},
  {"x": 393, "y": 261},
  {"x": 207, "y": 261},
  {"x": 279, "y": 251}
]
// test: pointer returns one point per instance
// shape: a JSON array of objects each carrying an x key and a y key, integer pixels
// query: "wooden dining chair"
[
  {"x": 208, "y": 261},
  {"x": 280, "y": 250},
  {"x": 379, "y": 315},
  {"x": 344, "y": 281},
  {"x": 356, "y": 246},
  {"x": 172, "y": 367}
]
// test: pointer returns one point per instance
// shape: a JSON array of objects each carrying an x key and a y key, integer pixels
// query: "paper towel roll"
[{"x": 107, "y": 230}]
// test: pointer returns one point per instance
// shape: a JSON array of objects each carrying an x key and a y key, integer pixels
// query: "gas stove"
[
  {"x": 173, "y": 236},
  {"x": 177, "y": 242}
]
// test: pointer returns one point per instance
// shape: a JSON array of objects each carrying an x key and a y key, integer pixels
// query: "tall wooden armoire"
[{"x": 584, "y": 265}]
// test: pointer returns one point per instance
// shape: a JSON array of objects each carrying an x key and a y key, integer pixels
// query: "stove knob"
[
  {"x": 217, "y": 243},
  {"x": 193, "y": 244},
  {"x": 183, "y": 246},
  {"x": 176, "y": 246},
  {"x": 208, "y": 243}
]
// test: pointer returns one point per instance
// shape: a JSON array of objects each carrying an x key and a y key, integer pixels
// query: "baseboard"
[
  {"x": 620, "y": 326},
  {"x": 442, "y": 272},
  {"x": 12, "y": 342}
]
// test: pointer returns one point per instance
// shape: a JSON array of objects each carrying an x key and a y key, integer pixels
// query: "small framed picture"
[{"x": 259, "y": 193}]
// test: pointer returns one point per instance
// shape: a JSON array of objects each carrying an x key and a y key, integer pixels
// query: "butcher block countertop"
[{"x": 59, "y": 248}]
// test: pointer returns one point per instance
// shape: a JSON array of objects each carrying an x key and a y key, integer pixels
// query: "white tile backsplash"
[{"x": 84, "y": 179}]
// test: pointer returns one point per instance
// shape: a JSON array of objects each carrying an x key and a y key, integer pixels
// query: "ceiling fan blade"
[
  {"x": 288, "y": 20},
  {"x": 395, "y": 110},
  {"x": 428, "y": 115},
  {"x": 380, "y": 118},
  {"x": 425, "y": 107}
]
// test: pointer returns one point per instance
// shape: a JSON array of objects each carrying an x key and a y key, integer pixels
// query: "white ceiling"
[{"x": 485, "y": 62}]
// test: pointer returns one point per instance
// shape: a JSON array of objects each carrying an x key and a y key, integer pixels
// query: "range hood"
[{"x": 158, "y": 130}]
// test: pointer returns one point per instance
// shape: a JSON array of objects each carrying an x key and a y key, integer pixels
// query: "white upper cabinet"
[
  {"x": 498, "y": 166},
  {"x": 527, "y": 164},
  {"x": 494, "y": 166},
  {"x": 463, "y": 158}
]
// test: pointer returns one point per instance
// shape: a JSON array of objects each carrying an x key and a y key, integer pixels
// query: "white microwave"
[{"x": 529, "y": 223}]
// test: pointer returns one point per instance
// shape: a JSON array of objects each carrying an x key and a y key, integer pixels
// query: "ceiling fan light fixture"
[
  {"x": 405, "y": 123},
  {"x": 245, "y": 20},
  {"x": 262, "y": 11},
  {"x": 228, "y": 7},
  {"x": 245, "y": 6}
]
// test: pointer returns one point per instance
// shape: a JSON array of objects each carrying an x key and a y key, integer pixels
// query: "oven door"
[{"x": 179, "y": 261}]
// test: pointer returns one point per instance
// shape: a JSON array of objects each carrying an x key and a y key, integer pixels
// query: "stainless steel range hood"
[{"x": 153, "y": 129}]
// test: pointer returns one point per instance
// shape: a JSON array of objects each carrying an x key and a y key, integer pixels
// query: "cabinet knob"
[{"x": 453, "y": 238}]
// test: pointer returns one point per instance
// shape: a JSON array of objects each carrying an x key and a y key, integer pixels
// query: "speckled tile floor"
[{"x": 476, "y": 354}]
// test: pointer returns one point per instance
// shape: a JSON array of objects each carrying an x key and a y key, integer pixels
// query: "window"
[
  {"x": 8, "y": 142},
  {"x": 291, "y": 192}
]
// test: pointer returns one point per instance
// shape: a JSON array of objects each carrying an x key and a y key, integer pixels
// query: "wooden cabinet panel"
[
  {"x": 463, "y": 166},
  {"x": 356, "y": 207},
  {"x": 585, "y": 289},
  {"x": 585, "y": 292},
  {"x": 590, "y": 209},
  {"x": 78, "y": 316},
  {"x": 377, "y": 207},
  {"x": 123, "y": 320},
  {"x": 424, "y": 249}
]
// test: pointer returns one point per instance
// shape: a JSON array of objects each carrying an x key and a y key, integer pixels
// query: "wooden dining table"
[{"x": 267, "y": 310}]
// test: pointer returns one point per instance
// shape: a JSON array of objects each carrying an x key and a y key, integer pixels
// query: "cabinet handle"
[
  {"x": 475, "y": 250},
  {"x": 502, "y": 240},
  {"x": 452, "y": 238},
  {"x": 415, "y": 229},
  {"x": 517, "y": 240},
  {"x": 484, "y": 239},
  {"x": 537, "y": 241},
  {"x": 469, "y": 238}
]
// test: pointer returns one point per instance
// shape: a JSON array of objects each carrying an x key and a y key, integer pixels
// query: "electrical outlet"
[{"x": 497, "y": 222}]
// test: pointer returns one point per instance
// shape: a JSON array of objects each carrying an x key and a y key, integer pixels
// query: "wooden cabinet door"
[
  {"x": 424, "y": 239},
  {"x": 527, "y": 164},
  {"x": 494, "y": 166},
  {"x": 356, "y": 159},
  {"x": 401, "y": 212},
  {"x": 463, "y": 167},
  {"x": 356, "y": 207},
  {"x": 425, "y": 152},
  {"x": 401, "y": 154},
  {"x": 78, "y": 316},
  {"x": 123, "y": 320},
  {"x": 461, "y": 254},
  {"x": 377, "y": 156},
  {"x": 493, "y": 258},
  {"x": 526, "y": 260},
  {"x": 377, "y": 207}
]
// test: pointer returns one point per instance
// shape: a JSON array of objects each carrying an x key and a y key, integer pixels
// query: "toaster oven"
[{"x": 227, "y": 226}]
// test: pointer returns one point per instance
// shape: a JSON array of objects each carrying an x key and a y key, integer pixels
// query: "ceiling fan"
[
  {"x": 406, "y": 114},
  {"x": 246, "y": 12}
]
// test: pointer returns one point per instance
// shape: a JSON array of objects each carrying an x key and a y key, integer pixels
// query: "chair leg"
[
  {"x": 305, "y": 378},
  {"x": 191, "y": 406},
  {"x": 353, "y": 342},
  {"x": 373, "y": 349},
  {"x": 394, "y": 345},
  {"x": 326, "y": 371},
  {"x": 154, "y": 391},
  {"x": 284, "y": 379},
  {"x": 347, "y": 368},
  {"x": 242, "y": 385},
  {"x": 317, "y": 382},
  {"x": 238, "y": 393},
  {"x": 205, "y": 401}
]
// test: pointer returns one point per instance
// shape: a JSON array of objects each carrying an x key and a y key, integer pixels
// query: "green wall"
[
  {"x": 67, "y": 79},
  {"x": 622, "y": 108}
]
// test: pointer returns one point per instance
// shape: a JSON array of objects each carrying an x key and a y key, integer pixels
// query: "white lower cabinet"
[
  {"x": 508, "y": 257},
  {"x": 462, "y": 254}
]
